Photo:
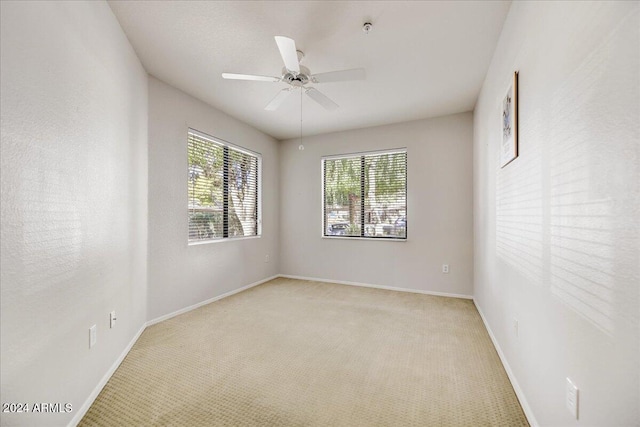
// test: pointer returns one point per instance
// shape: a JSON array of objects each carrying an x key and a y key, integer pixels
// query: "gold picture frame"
[{"x": 509, "y": 106}]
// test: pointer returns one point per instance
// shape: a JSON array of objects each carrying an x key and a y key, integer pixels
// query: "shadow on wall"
[
  {"x": 519, "y": 215},
  {"x": 565, "y": 208}
]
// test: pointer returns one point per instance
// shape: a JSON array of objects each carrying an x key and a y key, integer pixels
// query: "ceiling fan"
[{"x": 298, "y": 76}]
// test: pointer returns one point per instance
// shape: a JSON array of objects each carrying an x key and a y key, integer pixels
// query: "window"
[
  {"x": 365, "y": 195},
  {"x": 224, "y": 190}
]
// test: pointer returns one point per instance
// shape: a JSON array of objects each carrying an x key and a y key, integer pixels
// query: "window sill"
[
  {"x": 228, "y": 239},
  {"x": 384, "y": 239}
]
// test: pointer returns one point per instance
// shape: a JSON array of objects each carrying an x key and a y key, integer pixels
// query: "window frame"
[
  {"x": 363, "y": 154},
  {"x": 226, "y": 145}
]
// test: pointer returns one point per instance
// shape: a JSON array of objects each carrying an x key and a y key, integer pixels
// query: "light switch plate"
[
  {"x": 572, "y": 398},
  {"x": 92, "y": 336}
]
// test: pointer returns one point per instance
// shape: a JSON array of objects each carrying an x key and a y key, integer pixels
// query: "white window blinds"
[
  {"x": 223, "y": 189},
  {"x": 365, "y": 195}
]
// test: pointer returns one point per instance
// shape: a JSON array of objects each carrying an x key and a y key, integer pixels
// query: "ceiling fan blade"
[
  {"x": 288, "y": 52},
  {"x": 339, "y": 76},
  {"x": 252, "y": 77},
  {"x": 278, "y": 100},
  {"x": 321, "y": 99}
]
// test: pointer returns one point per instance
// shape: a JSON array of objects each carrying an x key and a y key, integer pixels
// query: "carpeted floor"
[{"x": 300, "y": 353}]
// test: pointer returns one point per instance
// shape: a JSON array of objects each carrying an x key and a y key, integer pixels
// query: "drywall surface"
[
  {"x": 556, "y": 231},
  {"x": 181, "y": 275},
  {"x": 439, "y": 213},
  {"x": 74, "y": 202}
]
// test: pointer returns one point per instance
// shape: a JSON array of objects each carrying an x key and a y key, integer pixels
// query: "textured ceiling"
[{"x": 422, "y": 59}]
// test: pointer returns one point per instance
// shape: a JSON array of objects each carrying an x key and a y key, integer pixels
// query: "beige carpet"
[{"x": 300, "y": 353}]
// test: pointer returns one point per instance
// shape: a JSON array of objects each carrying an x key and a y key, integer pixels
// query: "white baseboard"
[
  {"x": 516, "y": 387},
  {"x": 96, "y": 391},
  {"x": 367, "y": 285},
  {"x": 209, "y": 301}
]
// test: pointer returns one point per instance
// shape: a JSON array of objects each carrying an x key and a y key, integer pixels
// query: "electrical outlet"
[
  {"x": 515, "y": 327},
  {"x": 445, "y": 268},
  {"x": 266, "y": 258},
  {"x": 93, "y": 338},
  {"x": 572, "y": 398},
  {"x": 112, "y": 319}
]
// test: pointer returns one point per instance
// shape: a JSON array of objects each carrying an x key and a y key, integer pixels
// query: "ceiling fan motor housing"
[{"x": 296, "y": 80}]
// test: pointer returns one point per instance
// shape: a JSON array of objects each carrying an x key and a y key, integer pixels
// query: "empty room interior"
[{"x": 320, "y": 213}]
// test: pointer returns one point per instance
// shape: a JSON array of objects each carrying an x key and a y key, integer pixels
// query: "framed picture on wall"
[{"x": 509, "y": 145}]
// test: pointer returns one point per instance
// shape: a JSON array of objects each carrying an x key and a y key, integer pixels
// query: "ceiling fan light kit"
[{"x": 298, "y": 76}]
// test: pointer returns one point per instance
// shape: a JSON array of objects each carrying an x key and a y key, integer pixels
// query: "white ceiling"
[{"x": 422, "y": 59}]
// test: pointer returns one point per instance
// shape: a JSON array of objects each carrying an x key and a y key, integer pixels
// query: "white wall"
[
  {"x": 181, "y": 275},
  {"x": 439, "y": 156},
  {"x": 74, "y": 201},
  {"x": 556, "y": 232}
]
